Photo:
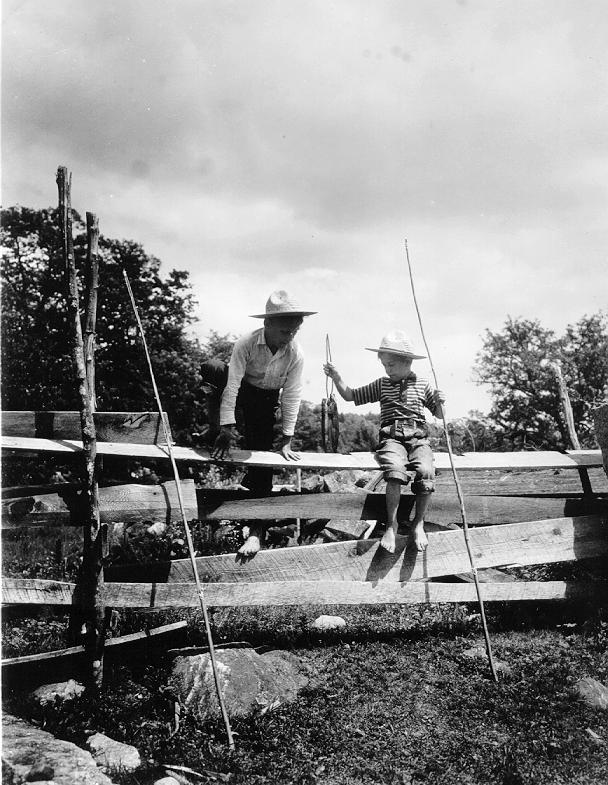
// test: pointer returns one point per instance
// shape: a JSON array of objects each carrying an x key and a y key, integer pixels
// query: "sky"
[{"x": 297, "y": 144}]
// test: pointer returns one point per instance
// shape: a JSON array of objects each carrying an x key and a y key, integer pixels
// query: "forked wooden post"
[
  {"x": 569, "y": 420},
  {"x": 91, "y": 594}
]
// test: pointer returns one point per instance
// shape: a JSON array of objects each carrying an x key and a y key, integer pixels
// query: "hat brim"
[
  {"x": 282, "y": 313},
  {"x": 397, "y": 352}
]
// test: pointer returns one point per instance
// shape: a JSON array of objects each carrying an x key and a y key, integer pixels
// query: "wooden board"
[
  {"x": 477, "y": 461},
  {"x": 111, "y": 643},
  {"x": 531, "y": 542},
  {"x": 327, "y": 592},
  {"x": 445, "y": 509},
  {"x": 139, "y": 427},
  {"x": 128, "y": 503}
]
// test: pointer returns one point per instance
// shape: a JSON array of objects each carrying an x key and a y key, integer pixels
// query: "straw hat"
[
  {"x": 281, "y": 304},
  {"x": 397, "y": 342}
]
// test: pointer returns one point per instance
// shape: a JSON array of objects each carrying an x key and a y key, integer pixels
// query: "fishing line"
[
  {"x": 456, "y": 480},
  {"x": 182, "y": 508}
]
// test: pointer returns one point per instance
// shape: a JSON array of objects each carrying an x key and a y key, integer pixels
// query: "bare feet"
[
  {"x": 420, "y": 537},
  {"x": 251, "y": 546},
  {"x": 388, "y": 540}
]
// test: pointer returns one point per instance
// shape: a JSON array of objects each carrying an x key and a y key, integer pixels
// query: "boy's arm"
[{"x": 344, "y": 390}]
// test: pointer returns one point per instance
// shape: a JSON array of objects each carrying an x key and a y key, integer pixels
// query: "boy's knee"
[
  {"x": 423, "y": 485},
  {"x": 397, "y": 474}
]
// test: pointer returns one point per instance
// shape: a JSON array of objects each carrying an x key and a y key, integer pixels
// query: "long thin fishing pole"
[
  {"x": 456, "y": 480},
  {"x": 199, "y": 588}
]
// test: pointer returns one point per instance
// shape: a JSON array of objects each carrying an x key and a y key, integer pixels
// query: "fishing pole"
[
  {"x": 463, "y": 513},
  {"x": 199, "y": 588}
]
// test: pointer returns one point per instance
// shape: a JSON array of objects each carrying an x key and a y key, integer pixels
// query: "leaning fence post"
[
  {"x": 569, "y": 420},
  {"x": 91, "y": 584}
]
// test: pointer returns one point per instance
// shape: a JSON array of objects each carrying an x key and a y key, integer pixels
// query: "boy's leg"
[
  {"x": 421, "y": 460},
  {"x": 392, "y": 457},
  {"x": 393, "y": 497}
]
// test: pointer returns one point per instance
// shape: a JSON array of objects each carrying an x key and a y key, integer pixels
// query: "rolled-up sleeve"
[
  {"x": 291, "y": 396},
  {"x": 236, "y": 371}
]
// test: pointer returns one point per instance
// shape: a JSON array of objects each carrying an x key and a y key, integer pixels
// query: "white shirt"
[{"x": 253, "y": 361}]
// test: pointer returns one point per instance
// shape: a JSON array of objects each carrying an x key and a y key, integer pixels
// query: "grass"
[{"x": 392, "y": 698}]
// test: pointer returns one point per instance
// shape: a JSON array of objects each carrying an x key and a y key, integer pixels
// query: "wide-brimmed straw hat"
[
  {"x": 397, "y": 342},
  {"x": 282, "y": 304}
]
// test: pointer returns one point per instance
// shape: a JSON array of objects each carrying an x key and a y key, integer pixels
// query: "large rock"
[
  {"x": 328, "y": 623},
  {"x": 30, "y": 752},
  {"x": 344, "y": 480},
  {"x": 592, "y": 692},
  {"x": 249, "y": 681},
  {"x": 113, "y": 757}
]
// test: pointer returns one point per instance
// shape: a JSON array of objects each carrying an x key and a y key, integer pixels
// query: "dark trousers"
[{"x": 255, "y": 417}]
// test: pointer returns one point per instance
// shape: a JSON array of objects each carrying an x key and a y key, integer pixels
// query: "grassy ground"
[{"x": 392, "y": 699}]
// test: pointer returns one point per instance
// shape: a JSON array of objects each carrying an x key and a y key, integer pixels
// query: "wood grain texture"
[
  {"x": 328, "y": 592},
  {"x": 139, "y": 427},
  {"x": 478, "y": 461},
  {"x": 530, "y": 542},
  {"x": 443, "y": 508},
  {"x": 129, "y": 503}
]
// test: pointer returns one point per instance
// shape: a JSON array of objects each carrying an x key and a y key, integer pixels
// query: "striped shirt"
[
  {"x": 253, "y": 361},
  {"x": 405, "y": 398}
]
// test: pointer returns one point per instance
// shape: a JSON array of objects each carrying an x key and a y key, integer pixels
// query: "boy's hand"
[
  {"x": 331, "y": 371},
  {"x": 286, "y": 451},
  {"x": 224, "y": 442},
  {"x": 439, "y": 398}
]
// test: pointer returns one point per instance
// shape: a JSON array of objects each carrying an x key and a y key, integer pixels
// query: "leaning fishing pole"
[
  {"x": 182, "y": 508},
  {"x": 463, "y": 514}
]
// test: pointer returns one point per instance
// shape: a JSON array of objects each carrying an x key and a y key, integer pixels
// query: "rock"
[
  {"x": 313, "y": 484},
  {"x": 328, "y": 623},
  {"x": 344, "y": 480},
  {"x": 249, "y": 681},
  {"x": 113, "y": 757},
  {"x": 591, "y": 692},
  {"x": 167, "y": 781},
  {"x": 157, "y": 529},
  {"x": 58, "y": 693},
  {"x": 27, "y": 750},
  {"x": 347, "y": 529},
  {"x": 40, "y": 772}
]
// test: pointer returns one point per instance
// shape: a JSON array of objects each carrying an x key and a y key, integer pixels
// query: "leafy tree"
[
  {"x": 36, "y": 361},
  {"x": 516, "y": 364}
]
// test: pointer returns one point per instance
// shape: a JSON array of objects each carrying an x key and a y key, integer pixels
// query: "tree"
[
  {"x": 516, "y": 364},
  {"x": 36, "y": 363}
]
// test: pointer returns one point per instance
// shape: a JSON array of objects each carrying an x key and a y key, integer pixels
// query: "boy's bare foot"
[
  {"x": 420, "y": 537},
  {"x": 251, "y": 546},
  {"x": 388, "y": 541}
]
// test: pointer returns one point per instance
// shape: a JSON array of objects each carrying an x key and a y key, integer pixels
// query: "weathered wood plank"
[
  {"x": 110, "y": 643},
  {"x": 364, "y": 460},
  {"x": 481, "y": 510},
  {"x": 128, "y": 503},
  {"x": 139, "y": 427},
  {"x": 530, "y": 542},
  {"x": 327, "y": 592}
]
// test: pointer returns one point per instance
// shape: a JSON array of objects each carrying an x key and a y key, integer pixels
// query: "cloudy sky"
[{"x": 296, "y": 144}]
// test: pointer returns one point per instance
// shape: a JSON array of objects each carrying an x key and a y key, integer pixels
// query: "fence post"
[{"x": 91, "y": 584}]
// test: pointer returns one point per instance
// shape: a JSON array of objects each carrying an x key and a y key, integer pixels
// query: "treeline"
[{"x": 514, "y": 363}]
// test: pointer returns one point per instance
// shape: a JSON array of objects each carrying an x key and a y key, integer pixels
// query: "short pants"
[{"x": 405, "y": 447}]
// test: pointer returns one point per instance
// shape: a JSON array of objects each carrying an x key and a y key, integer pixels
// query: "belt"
[{"x": 412, "y": 422}]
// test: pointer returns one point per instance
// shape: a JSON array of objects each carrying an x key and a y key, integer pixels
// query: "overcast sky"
[{"x": 295, "y": 144}]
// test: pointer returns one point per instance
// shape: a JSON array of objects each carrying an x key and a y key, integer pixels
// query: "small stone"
[
  {"x": 592, "y": 692},
  {"x": 167, "y": 781},
  {"x": 113, "y": 756},
  {"x": 328, "y": 623},
  {"x": 59, "y": 692}
]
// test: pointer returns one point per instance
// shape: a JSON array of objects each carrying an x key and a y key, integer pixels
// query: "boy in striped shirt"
[{"x": 403, "y": 430}]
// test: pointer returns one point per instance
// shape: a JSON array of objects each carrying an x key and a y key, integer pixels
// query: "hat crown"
[
  {"x": 398, "y": 342},
  {"x": 280, "y": 303}
]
